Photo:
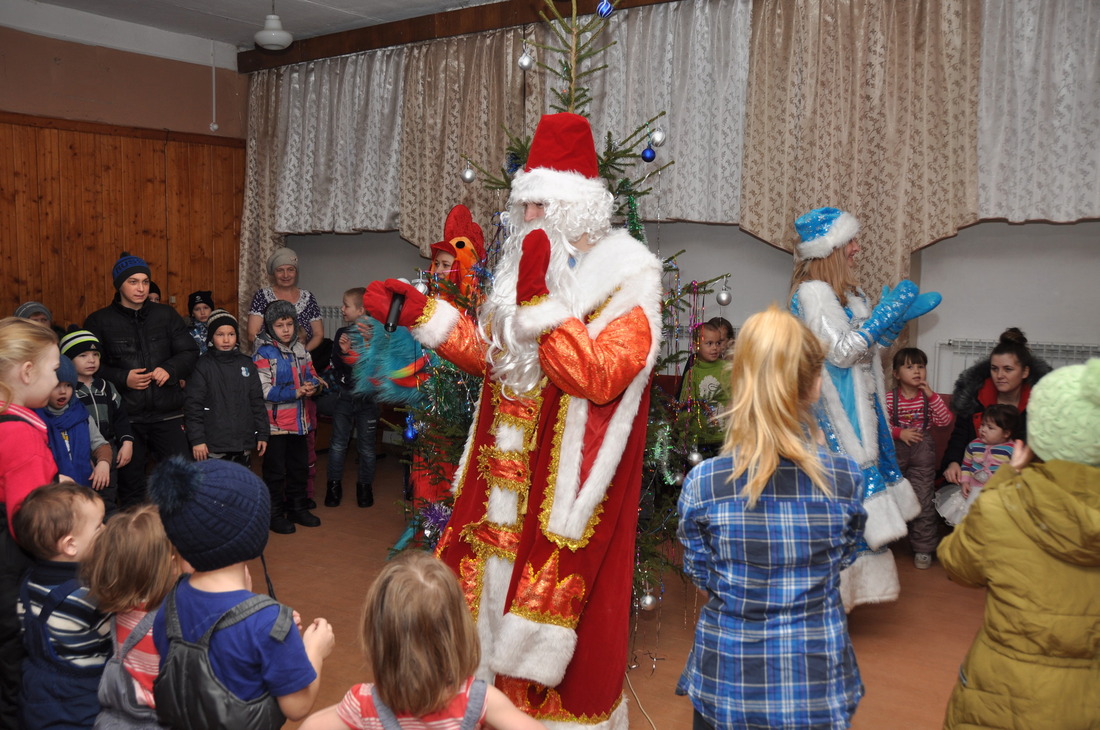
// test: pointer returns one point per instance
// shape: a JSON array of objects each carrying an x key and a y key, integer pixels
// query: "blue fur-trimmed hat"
[
  {"x": 78, "y": 342},
  {"x": 126, "y": 266},
  {"x": 215, "y": 512},
  {"x": 823, "y": 230}
]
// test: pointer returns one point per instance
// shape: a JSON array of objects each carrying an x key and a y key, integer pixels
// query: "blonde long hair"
[
  {"x": 418, "y": 634},
  {"x": 777, "y": 361},
  {"x": 21, "y": 341},
  {"x": 833, "y": 270}
]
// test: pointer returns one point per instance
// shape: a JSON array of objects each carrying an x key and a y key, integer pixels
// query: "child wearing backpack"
[
  {"x": 130, "y": 572},
  {"x": 228, "y": 658},
  {"x": 422, "y": 646}
]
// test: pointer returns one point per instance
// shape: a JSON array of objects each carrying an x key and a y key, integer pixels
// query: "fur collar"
[{"x": 964, "y": 399}]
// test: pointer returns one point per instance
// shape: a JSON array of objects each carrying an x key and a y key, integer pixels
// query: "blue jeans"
[{"x": 362, "y": 414}]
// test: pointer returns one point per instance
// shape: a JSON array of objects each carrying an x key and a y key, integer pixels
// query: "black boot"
[
  {"x": 364, "y": 494},
  {"x": 279, "y": 523},
  {"x": 310, "y": 504},
  {"x": 302, "y": 516},
  {"x": 334, "y": 492}
]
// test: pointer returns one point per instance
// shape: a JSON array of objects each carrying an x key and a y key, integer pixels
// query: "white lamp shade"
[{"x": 273, "y": 37}]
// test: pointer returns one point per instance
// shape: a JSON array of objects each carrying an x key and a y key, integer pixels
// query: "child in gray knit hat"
[{"x": 215, "y": 513}]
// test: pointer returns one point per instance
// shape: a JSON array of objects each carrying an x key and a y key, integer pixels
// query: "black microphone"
[{"x": 396, "y": 304}]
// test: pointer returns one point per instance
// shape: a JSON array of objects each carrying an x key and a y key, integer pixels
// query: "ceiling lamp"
[{"x": 273, "y": 37}]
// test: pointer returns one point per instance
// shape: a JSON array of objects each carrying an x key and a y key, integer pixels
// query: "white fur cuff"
[
  {"x": 435, "y": 331},
  {"x": 534, "y": 319},
  {"x": 905, "y": 498},
  {"x": 539, "y": 652},
  {"x": 884, "y": 521}
]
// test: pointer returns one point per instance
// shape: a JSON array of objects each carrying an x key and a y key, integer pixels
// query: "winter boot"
[
  {"x": 299, "y": 514},
  {"x": 334, "y": 492},
  {"x": 364, "y": 494}
]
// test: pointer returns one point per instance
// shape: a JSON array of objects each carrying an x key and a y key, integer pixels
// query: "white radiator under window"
[
  {"x": 332, "y": 318},
  {"x": 956, "y": 355}
]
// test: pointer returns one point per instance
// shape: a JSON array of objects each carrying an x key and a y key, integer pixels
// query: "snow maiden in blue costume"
[{"x": 827, "y": 297}]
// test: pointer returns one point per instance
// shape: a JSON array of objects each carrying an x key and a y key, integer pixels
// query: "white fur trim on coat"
[
  {"x": 637, "y": 283},
  {"x": 534, "y": 319},
  {"x": 435, "y": 331},
  {"x": 873, "y": 578},
  {"x": 885, "y": 522},
  {"x": 535, "y": 651}
]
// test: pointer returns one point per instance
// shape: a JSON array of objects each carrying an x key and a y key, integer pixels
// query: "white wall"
[{"x": 1041, "y": 277}]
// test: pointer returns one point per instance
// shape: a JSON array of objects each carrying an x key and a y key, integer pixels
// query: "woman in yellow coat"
[{"x": 1033, "y": 539}]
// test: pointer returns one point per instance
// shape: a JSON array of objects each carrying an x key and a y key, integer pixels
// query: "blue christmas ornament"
[
  {"x": 604, "y": 8},
  {"x": 648, "y": 154},
  {"x": 410, "y": 428}
]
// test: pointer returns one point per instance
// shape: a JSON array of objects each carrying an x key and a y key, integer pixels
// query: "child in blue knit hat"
[
  {"x": 261, "y": 671},
  {"x": 79, "y": 449}
]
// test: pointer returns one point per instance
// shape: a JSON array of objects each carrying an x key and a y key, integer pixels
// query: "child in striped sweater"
[
  {"x": 66, "y": 636},
  {"x": 913, "y": 408}
]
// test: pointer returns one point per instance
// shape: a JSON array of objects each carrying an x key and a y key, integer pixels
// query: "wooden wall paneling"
[
  {"x": 227, "y": 191},
  {"x": 153, "y": 233},
  {"x": 64, "y": 301},
  {"x": 17, "y": 173},
  {"x": 177, "y": 183}
]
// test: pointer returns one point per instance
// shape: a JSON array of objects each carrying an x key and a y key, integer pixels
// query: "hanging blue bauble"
[
  {"x": 648, "y": 154},
  {"x": 604, "y": 8},
  {"x": 410, "y": 428}
]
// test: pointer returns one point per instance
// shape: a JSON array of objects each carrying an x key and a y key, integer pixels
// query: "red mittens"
[
  {"x": 380, "y": 293},
  {"x": 532, "y": 267}
]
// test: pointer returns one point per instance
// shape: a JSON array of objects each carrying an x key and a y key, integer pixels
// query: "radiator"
[
  {"x": 332, "y": 319},
  {"x": 956, "y": 355}
]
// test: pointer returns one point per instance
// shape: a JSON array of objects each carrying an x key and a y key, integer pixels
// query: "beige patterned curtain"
[
  {"x": 461, "y": 94},
  {"x": 869, "y": 106}
]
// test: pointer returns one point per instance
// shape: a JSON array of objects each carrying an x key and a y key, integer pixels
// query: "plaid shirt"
[{"x": 771, "y": 645}]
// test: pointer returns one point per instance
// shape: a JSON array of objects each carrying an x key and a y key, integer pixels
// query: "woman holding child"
[
  {"x": 1005, "y": 377},
  {"x": 825, "y": 294},
  {"x": 282, "y": 266}
]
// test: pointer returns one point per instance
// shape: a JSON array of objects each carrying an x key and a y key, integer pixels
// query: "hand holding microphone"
[{"x": 394, "y": 302}]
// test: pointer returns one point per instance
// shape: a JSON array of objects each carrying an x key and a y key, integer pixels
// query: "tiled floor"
[{"x": 908, "y": 651}]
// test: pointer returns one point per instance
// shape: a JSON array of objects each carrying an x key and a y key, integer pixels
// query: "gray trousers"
[{"x": 918, "y": 464}]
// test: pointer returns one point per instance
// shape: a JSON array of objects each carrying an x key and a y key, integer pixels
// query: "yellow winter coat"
[{"x": 1033, "y": 539}]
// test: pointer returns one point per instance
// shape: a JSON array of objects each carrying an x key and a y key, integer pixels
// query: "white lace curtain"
[{"x": 1039, "y": 118}]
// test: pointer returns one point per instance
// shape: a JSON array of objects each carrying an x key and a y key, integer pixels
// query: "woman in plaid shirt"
[{"x": 767, "y": 526}]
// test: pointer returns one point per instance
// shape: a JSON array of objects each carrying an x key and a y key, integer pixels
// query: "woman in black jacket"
[{"x": 1006, "y": 376}]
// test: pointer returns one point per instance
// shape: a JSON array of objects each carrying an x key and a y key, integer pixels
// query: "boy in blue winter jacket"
[{"x": 287, "y": 378}]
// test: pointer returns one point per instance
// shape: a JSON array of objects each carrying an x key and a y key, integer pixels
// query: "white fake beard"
[{"x": 515, "y": 360}]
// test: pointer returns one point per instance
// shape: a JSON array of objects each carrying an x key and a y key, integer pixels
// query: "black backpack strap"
[
  {"x": 172, "y": 628},
  {"x": 476, "y": 701},
  {"x": 385, "y": 714},
  {"x": 246, "y": 608}
]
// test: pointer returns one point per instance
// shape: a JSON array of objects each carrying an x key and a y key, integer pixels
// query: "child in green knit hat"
[{"x": 1033, "y": 540}]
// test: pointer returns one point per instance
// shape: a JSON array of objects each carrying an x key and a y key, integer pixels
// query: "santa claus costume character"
[
  {"x": 546, "y": 492},
  {"x": 827, "y": 297}
]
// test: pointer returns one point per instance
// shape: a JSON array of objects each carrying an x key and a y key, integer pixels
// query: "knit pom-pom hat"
[
  {"x": 215, "y": 512},
  {"x": 126, "y": 266},
  {"x": 1063, "y": 414}
]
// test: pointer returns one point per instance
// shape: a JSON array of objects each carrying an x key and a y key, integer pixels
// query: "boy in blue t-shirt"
[{"x": 216, "y": 514}]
